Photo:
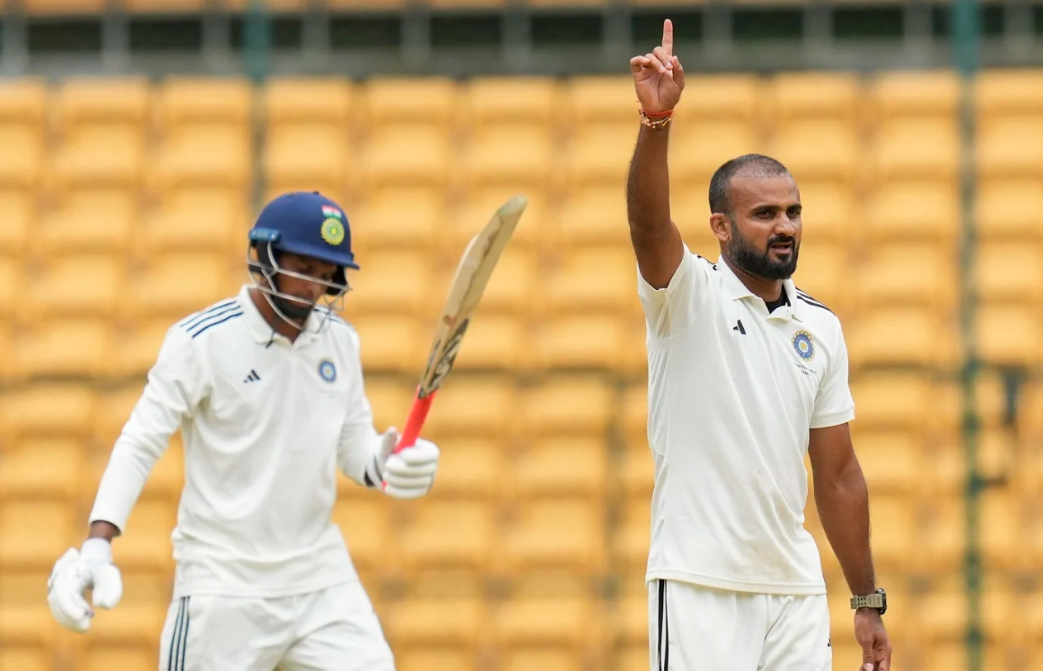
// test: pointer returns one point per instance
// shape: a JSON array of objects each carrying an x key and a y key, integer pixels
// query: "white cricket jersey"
[
  {"x": 733, "y": 394},
  {"x": 265, "y": 423}
]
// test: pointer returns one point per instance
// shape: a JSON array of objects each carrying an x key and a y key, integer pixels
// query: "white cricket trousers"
[
  {"x": 694, "y": 628},
  {"x": 334, "y": 629}
]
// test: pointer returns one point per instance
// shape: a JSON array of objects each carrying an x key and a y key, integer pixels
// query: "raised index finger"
[{"x": 668, "y": 37}]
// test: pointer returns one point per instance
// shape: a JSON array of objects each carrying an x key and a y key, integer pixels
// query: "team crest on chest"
[
  {"x": 327, "y": 371},
  {"x": 803, "y": 345}
]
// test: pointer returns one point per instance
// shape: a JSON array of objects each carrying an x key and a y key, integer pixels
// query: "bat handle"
[{"x": 415, "y": 422}]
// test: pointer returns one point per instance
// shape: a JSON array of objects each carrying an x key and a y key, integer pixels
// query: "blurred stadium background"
[{"x": 138, "y": 138}]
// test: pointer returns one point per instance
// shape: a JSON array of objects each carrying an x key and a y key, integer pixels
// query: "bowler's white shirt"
[
  {"x": 730, "y": 412},
  {"x": 265, "y": 423}
]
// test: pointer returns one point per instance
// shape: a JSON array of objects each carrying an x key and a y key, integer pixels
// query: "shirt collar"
[{"x": 739, "y": 291}]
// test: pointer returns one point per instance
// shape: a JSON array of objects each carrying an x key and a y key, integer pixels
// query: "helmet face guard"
[{"x": 262, "y": 261}]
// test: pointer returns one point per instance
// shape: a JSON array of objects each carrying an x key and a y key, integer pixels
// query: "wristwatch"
[{"x": 877, "y": 600}]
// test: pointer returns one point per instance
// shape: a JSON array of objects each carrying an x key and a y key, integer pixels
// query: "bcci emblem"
[
  {"x": 332, "y": 231},
  {"x": 803, "y": 345},
  {"x": 327, "y": 371}
]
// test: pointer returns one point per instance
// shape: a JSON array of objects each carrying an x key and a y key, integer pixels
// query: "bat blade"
[{"x": 472, "y": 275}]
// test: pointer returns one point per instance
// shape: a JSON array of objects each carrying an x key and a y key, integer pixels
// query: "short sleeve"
[
  {"x": 668, "y": 311},
  {"x": 834, "y": 404}
]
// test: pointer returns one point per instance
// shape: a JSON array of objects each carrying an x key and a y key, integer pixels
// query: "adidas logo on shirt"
[{"x": 252, "y": 377}]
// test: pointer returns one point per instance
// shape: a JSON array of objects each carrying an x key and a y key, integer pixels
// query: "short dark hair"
[{"x": 753, "y": 165}]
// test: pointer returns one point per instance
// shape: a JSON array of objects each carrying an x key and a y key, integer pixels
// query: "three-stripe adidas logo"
[{"x": 252, "y": 377}]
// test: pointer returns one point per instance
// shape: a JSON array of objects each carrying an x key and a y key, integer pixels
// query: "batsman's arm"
[
  {"x": 656, "y": 239},
  {"x": 842, "y": 499},
  {"x": 176, "y": 384},
  {"x": 359, "y": 446}
]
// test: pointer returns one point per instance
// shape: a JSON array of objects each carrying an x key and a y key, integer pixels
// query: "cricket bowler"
[
  {"x": 747, "y": 374},
  {"x": 267, "y": 390}
]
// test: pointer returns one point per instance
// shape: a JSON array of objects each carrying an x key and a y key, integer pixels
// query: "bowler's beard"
[{"x": 745, "y": 255}]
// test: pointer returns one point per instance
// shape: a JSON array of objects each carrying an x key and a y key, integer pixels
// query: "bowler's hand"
[{"x": 870, "y": 634}]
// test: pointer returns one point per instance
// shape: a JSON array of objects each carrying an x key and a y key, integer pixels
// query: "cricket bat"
[{"x": 472, "y": 275}]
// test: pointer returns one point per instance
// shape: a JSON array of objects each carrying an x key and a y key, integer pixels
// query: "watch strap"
[{"x": 869, "y": 601}]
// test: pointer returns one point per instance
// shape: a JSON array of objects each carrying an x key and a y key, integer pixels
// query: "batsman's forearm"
[
  {"x": 648, "y": 182},
  {"x": 843, "y": 507}
]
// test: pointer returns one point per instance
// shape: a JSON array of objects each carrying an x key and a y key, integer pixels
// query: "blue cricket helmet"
[{"x": 308, "y": 224}]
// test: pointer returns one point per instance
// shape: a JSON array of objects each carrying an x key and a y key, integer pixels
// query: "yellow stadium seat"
[
  {"x": 518, "y": 157},
  {"x": 991, "y": 400},
  {"x": 26, "y": 658},
  {"x": 635, "y": 411},
  {"x": 398, "y": 217},
  {"x": 48, "y": 410},
  {"x": 209, "y": 159},
  {"x": 297, "y": 101},
  {"x": 914, "y": 94},
  {"x": 480, "y": 204},
  {"x": 581, "y": 404},
  {"x": 631, "y": 540},
  {"x": 924, "y": 342},
  {"x": 74, "y": 286},
  {"x": 418, "y": 658},
  {"x": 145, "y": 543},
  {"x": 177, "y": 285},
  {"x": 896, "y": 400},
  {"x": 557, "y": 532},
  {"x": 365, "y": 524},
  {"x": 730, "y": 97},
  {"x": 60, "y": 347},
  {"x": 912, "y": 274},
  {"x": 510, "y": 101},
  {"x": 944, "y": 540},
  {"x": 698, "y": 147},
  {"x": 66, "y": 7},
  {"x": 914, "y": 210},
  {"x": 469, "y": 466},
  {"x": 889, "y": 460},
  {"x": 197, "y": 220},
  {"x": 1008, "y": 273},
  {"x": 537, "y": 657},
  {"x": 493, "y": 342},
  {"x": 432, "y": 101},
  {"x": 436, "y": 621},
  {"x": 560, "y": 466},
  {"x": 307, "y": 158},
  {"x": 115, "y": 159},
  {"x": 593, "y": 280},
  {"x": 636, "y": 469},
  {"x": 139, "y": 619},
  {"x": 458, "y": 534},
  {"x": 1007, "y": 335},
  {"x": 34, "y": 533},
  {"x": 11, "y": 292},
  {"x": 601, "y": 99},
  {"x": 97, "y": 110},
  {"x": 818, "y": 149},
  {"x": 392, "y": 281},
  {"x": 1011, "y": 92},
  {"x": 827, "y": 212},
  {"x": 914, "y": 148},
  {"x": 476, "y": 406},
  {"x": 390, "y": 399},
  {"x": 139, "y": 346},
  {"x": 390, "y": 342},
  {"x": 943, "y": 611},
  {"x": 414, "y": 156},
  {"x": 815, "y": 96},
  {"x": 22, "y": 162},
  {"x": 129, "y": 658},
  {"x": 24, "y": 101},
  {"x": 535, "y": 618},
  {"x": 88, "y": 220},
  {"x": 578, "y": 341},
  {"x": 25, "y": 620},
  {"x": 595, "y": 215},
  {"x": 43, "y": 468},
  {"x": 598, "y": 155},
  {"x": 18, "y": 212},
  {"x": 1010, "y": 147},
  {"x": 185, "y": 102},
  {"x": 633, "y": 656},
  {"x": 823, "y": 271},
  {"x": 1002, "y": 525},
  {"x": 894, "y": 523},
  {"x": 1003, "y": 209}
]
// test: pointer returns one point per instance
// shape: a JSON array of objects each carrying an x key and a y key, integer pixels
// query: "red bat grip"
[{"x": 417, "y": 417}]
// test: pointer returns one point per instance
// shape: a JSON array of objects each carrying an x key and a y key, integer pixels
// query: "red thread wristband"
[{"x": 657, "y": 115}]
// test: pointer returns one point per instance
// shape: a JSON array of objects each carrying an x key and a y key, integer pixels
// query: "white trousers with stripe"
[
  {"x": 331, "y": 630},
  {"x": 694, "y": 628}
]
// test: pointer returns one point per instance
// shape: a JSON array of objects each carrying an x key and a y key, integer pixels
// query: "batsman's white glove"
[
  {"x": 89, "y": 568},
  {"x": 410, "y": 473}
]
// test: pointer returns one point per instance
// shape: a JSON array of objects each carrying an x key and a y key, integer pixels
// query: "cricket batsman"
[
  {"x": 747, "y": 375},
  {"x": 267, "y": 390}
]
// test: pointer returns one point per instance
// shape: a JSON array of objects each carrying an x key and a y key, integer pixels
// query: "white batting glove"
[
  {"x": 410, "y": 473},
  {"x": 89, "y": 568}
]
